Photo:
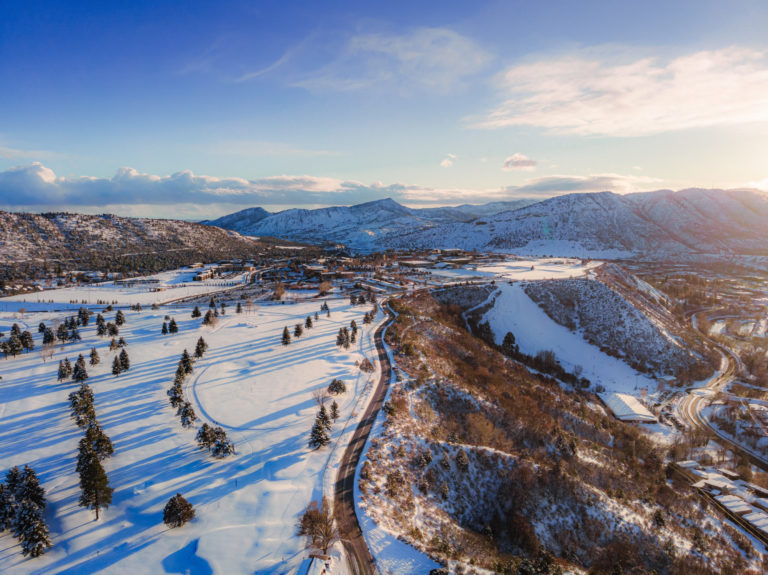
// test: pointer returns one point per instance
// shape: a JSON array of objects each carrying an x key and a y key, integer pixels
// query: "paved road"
[
  {"x": 698, "y": 398},
  {"x": 360, "y": 559}
]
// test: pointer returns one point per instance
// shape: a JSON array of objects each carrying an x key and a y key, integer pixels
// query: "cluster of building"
[{"x": 745, "y": 503}]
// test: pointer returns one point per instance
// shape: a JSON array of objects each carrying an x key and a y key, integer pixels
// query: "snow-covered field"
[
  {"x": 535, "y": 331},
  {"x": 257, "y": 389},
  {"x": 170, "y": 285}
]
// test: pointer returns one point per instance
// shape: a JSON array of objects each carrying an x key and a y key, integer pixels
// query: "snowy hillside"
[
  {"x": 90, "y": 239},
  {"x": 258, "y": 390},
  {"x": 656, "y": 224},
  {"x": 363, "y": 226}
]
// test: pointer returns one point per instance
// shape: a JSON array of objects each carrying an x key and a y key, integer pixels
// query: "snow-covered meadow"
[{"x": 258, "y": 390}]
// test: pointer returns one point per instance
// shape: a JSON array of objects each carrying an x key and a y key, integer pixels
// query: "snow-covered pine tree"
[
  {"x": 308, "y": 322},
  {"x": 67, "y": 366},
  {"x": 113, "y": 345},
  {"x": 30, "y": 529},
  {"x": 322, "y": 416},
  {"x": 178, "y": 511},
  {"x": 319, "y": 436},
  {"x": 101, "y": 443},
  {"x": 205, "y": 437},
  {"x": 340, "y": 337},
  {"x": 116, "y": 369},
  {"x": 353, "y": 326},
  {"x": 125, "y": 363},
  {"x": 334, "y": 410},
  {"x": 30, "y": 489},
  {"x": 201, "y": 347},
  {"x": 222, "y": 446},
  {"x": 196, "y": 312},
  {"x": 62, "y": 375},
  {"x": 95, "y": 359},
  {"x": 186, "y": 362},
  {"x": 186, "y": 414},
  {"x": 172, "y": 327},
  {"x": 119, "y": 318},
  {"x": 95, "y": 493},
  {"x": 79, "y": 373},
  {"x": 48, "y": 337},
  {"x": 175, "y": 393},
  {"x": 286, "y": 336},
  {"x": 298, "y": 331},
  {"x": 164, "y": 329},
  {"x": 239, "y": 308},
  {"x": 7, "y": 507}
]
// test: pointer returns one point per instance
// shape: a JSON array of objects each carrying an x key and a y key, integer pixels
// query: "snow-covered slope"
[
  {"x": 88, "y": 239},
  {"x": 361, "y": 226},
  {"x": 607, "y": 224}
]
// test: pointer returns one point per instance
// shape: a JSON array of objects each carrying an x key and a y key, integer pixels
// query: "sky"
[{"x": 198, "y": 109}]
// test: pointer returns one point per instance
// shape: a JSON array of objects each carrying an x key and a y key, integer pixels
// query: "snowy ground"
[
  {"x": 535, "y": 331},
  {"x": 175, "y": 284},
  {"x": 257, "y": 389}
]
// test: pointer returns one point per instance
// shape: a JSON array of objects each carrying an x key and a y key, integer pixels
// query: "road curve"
[
  {"x": 693, "y": 404},
  {"x": 361, "y": 561}
]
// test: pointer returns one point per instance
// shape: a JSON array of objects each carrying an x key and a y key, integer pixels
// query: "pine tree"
[
  {"x": 222, "y": 446},
  {"x": 298, "y": 331},
  {"x": 74, "y": 335},
  {"x": 27, "y": 342},
  {"x": 186, "y": 362},
  {"x": 178, "y": 511},
  {"x": 187, "y": 414},
  {"x": 31, "y": 530},
  {"x": 29, "y": 488},
  {"x": 322, "y": 416},
  {"x": 205, "y": 437},
  {"x": 239, "y": 308},
  {"x": 41, "y": 328},
  {"x": 340, "y": 337},
  {"x": 319, "y": 436},
  {"x": 113, "y": 345},
  {"x": 164, "y": 329},
  {"x": 100, "y": 442},
  {"x": 353, "y": 326},
  {"x": 367, "y": 318},
  {"x": 121, "y": 342},
  {"x": 48, "y": 337},
  {"x": 316, "y": 316},
  {"x": 67, "y": 366},
  {"x": 286, "y": 336},
  {"x": 209, "y": 318},
  {"x": 14, "y": 345},
  {"x": 125, "y": 363},
  {"x": 62, "y": 371},
  {"x": 201, "y": 347},
  {"x": 116, "y": 369},
  {"x": 7, "y": 507},
  {"x": 81, "y": 402},
  {"x": 334, "y": 410},
  {"x": 308, "y": 322},
  {"x": 212, "y": 304},
  {"x": 79, "y": 373},
  {"x": 172, "y": 327},
  {"x": 95, "y": 493},
  {"x": 175, "y": 394},
  {"x": 196, "y": 312},
  {"x": 352, "y": 299},
  {"x": 95, "y": 359},
  {"x": 119, "y": 318},
  {"x": 99, "y": 320}
]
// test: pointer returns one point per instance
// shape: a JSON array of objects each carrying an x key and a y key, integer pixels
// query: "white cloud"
[
  {"x": 425, "y": 57},
  {"x": 448, "y": 161},
  {"x": 587, "y": 95},
  {"x": 760, "y": 185},
  {"x": 549, "y": 186},
  {"x": 519, "y": 162}
]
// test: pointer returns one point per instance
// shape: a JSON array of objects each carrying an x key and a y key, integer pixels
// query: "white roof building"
[{"x": 627, "y": 408}]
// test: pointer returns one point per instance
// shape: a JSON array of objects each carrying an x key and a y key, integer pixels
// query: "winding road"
[
  {"x": 698, "y": 398},
  {"x": 361, "y": 560}
]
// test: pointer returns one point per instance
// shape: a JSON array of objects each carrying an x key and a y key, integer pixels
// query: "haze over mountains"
[{"x": 656, "y": 224}]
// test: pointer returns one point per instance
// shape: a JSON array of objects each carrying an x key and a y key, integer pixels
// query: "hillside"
[
  {"x": 656, "y": 225},
  {"x": 481, "y": 463},
  {"x": 103, "y": 241},
  {"x": 363, "y": 226}
]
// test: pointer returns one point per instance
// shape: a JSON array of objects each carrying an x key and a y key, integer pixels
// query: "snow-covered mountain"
[
  {"x": 363, "y": 226},
  {"x": 692, "y": 221}
]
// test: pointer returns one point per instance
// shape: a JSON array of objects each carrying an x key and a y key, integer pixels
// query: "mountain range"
[
  {"x": 365, "y": 227},
  {"x": 605, "y": 224}
]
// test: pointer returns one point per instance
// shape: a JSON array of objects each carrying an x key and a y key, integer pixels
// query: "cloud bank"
[
  {"x": 185, "y": 194},
  {"x": 585, "y": 95}
]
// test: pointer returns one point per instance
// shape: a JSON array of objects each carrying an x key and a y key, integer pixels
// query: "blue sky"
[{"x": 197, "y": 109}]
